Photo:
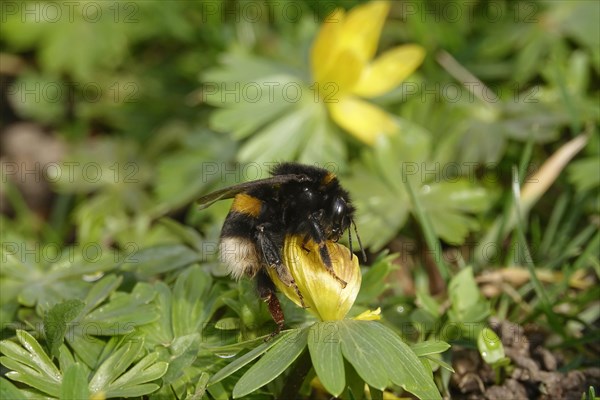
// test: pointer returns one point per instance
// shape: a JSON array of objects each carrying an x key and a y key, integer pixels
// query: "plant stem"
[{"x": 428, "y": 232}]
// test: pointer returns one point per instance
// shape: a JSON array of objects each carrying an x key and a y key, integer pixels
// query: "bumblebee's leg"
[
  {"x": 266, "y": 291},
  {"x": 319, "y": 237},
  {"x": 305, "y": 242},
  {"x": 272, "y": 257}
]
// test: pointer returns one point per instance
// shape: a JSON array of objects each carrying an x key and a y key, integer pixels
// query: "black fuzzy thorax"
[
  {"x": 294, "y": 206},
  {"x": 286, "y": 208}
]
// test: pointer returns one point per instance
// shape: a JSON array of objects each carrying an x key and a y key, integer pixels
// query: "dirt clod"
[{"x": 533, "y": 373}]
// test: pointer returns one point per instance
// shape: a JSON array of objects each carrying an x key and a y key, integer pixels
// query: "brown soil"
[{"x": 533, "y": 373}]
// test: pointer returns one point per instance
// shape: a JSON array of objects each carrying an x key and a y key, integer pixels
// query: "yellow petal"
[
  {"x": 326, "y": 47},
  {"x": 362, "y": 28},
  {"x": 370, "y": 315},
  {"x": 341, "y": 78},
  {"x": 323, "y": 294},
  {"x": 364, "y": 120},
  {"x": 389, "y": 70}
]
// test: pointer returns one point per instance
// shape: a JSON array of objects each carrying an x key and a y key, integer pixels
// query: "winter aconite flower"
[
  {"x": 322, "y": 293},
  {"x": 344, "y": 70}
]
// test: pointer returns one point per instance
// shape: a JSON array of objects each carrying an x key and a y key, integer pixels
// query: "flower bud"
[{"x": 323, "y": 293}]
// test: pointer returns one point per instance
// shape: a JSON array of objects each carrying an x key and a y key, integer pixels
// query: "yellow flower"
[
  {"x": 322, "y": 293},
  {"x": 343, "y": 69},
  {"x": 370, "y": 315}
]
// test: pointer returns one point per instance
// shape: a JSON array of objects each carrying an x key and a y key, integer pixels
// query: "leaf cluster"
[{"x": 485, "y": 203}]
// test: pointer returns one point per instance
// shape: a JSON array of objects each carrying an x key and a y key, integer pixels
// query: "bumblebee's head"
[
  {"x": 340, "y": 217},
  {"x": 335, "y": 218}
]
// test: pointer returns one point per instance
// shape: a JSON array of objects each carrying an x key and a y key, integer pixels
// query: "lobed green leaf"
[
  {"x": 30, "y": 364},
  {"x": 56, "y": 321},
  {"x": 380, "y": 357},
  {"x": 326, "y": 356},
  {"x": 272, "y": 364},
  {"x": 75, "y": 383}
]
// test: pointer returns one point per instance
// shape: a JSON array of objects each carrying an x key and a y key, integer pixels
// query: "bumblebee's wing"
[{"x": 231, "y": 191}]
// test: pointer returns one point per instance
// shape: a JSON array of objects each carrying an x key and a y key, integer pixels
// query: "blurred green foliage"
[{"x": 107, "y": 287}]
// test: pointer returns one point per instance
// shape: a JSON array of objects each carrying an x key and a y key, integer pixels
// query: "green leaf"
[
  {"x": 243, "y": 118},
  {"x": 428, "y": 231},
  {"x": 82, "y": 59},
  {"x": 178, "y": 182},
  {"x": 183, "y": 315},
  {"x": 56, "y": 321},
  {"x": 490, "y": 346},
  {"x": 29, "y": 364},
  {"x": 146, "y": 370},
  {"x": 428, "y": 303},
  {"x": 380, "y": 356},
  {"x": 41, "y": 286},
  {"x": 118, "y": 162},
  {"x": 583, "y": 173},
  {"x": 184, "y": 351},
  {"x": 448, "y": 205},
  {"x": 481, "y": 140},
  {"x": 65, "y": 358},
  {"x": 123, "y": 312},
  {"x": 161, "y": 330},
  {"x": 218, "y": 392},
  {"x": 272, "y": 364},
  {"x": 323, "y": 142},
  {"x": 365, "y": 354},
  {"x": 75, "y": 383},
  {"x": 160, "y": 259},
  {"x": 533, "y": 120},
  {"x": 115, "y": 365},
  {"x": 188, "y": 236},
  {"x": 438, "y": 361},
  {"x": 429, "y": 347},
  {"x": 100, "y": 291},
  {"x": 409, "y": 373},
  {"x": 269, "y": 102},
  {"x": 467, "y": 303},
  {"x": 117, "y": 377},
  {"x": 241, "y": 67},
  {"x": 381, "y": 210},
  {"x": 376, "y": 183},
  {"x": 281, "y": 139},
  {"x": 374, "y": 280},
  {"x": 201, "y": 386},
  {"x": 193, "y": 301},
  {"x": 46, "y": 106},
  {"x": 326, "y": 354},
  {"x": 591, "y": 394},
  {"x": 579, "y": 21},
  {"x": 10, "y": 391},
  {"x": 247, "y": 358},
  {"x": 87, "y": 347}
]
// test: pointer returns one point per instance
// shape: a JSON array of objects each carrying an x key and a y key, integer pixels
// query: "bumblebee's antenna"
[
  {"x": 362, "y": 249},
  {"x": 350, "y": 242}
]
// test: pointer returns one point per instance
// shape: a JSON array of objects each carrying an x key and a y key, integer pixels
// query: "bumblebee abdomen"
[
  {"x": 240, "y": 256},
  {"x": 237, "y": 247}
]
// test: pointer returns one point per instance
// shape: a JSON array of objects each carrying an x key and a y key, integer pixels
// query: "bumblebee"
[{"x": 296, "y": 200}]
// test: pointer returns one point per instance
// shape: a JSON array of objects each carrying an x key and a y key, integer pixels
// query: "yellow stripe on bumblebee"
[{"x": 246, "y": 204}]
